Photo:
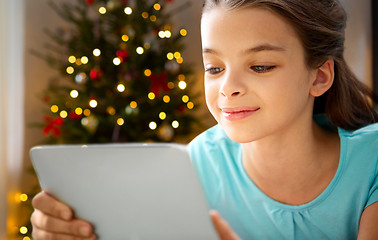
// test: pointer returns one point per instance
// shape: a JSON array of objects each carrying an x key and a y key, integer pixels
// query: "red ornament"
[
  {"x": 158, "y": 83},
  {"x": 74, "y": 116},
  {"x": 95, "y": 74},
  {"x": 89, "y": 2},
  {"x": 53, "y": 126},
  {"x": 122, "y": 54}
]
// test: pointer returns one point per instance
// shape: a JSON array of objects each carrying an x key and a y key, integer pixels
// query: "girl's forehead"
[{"x": 245, "y": 25}]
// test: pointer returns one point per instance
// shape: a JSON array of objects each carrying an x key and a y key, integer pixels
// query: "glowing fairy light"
[
  {"x": 121, "y": 87},
  {"x": 93, "y": 103},
  {"x": 153, "y": 18},
  {"x": 170, "y": 56},
  {"x": 74, "y": 93},
  {"x": 185, "y": 99},
  {"x": 183, "y": 32},
  {"x": 140, "y": 50},
  {"x": 70, "y": 70},
  {"x": 182, "y": 85},
  {"x": 177, "y": 54},
  {"x": 151, "y": 96},
  {"x": 171, "y": 85},
  {"x": 133, "y": 104},
  {"x": 120, "y": 121},
  {"x": 102, "y": 10},
  {"x": 87, "y": 112},
  {"x": 167, "y": 34},
  {"x": 166, "y": 99},
  {"x": 147, "y": 72},
  {"x": 78, "y": 111},
  {"x": 190, "y": 105},
  {"x": 180, "y": 60},
  {"x": 24, "y": 197},
  {"x": 96, "y": 52},
  {"x": 116, "y": 61},
  {"x": 54, "y": 108},
  {"x": 84, "y": 59},
  {"x": 175, "y": 124},
  {"x": 72, "y": 59},
  {"x": 23, "y": 230},
  {"x": 63, "y": 114},
  {"x": 125, "y": 38},
  {"x": 162, "y": 115},
  {"x": 152, "y": 125},
  {"x": 157, "y": 6},
  {"x": 128, "y": 10},
  {"x": 161, "y": 34},
  {"x": 111, "y": 110},
  {"x": 145, "y": 15}
]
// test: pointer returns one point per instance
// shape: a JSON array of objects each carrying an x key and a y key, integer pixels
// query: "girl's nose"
[{"x": 232, "y": 86}]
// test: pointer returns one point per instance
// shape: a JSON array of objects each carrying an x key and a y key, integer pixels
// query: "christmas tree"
[
  {"x": 122, "y": 74},
  {"x": 121, "y": 77}
]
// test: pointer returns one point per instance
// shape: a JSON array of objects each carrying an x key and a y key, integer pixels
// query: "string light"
[
  {"x": 111, "y": 110},
  {"x": 26, "y": 238},
  {"x": 182, "y": 85},
  {"x": 180, "y": 60},
  {"x": 183, "y": 32},
  {"x": 96, "y": 52},
  {"x": 93, "y": 103},
  {"x": 133, "y": 104},
  {"x": 153, "y": 18},
  {"x": 166, "y": 99},
  {"x": 72, "y": 59},
  {"x": 170, "y": 56},
  {"x": 151, "y": 95},
  {"x": 74, "y": 93},
  {"x": 102, "y": 10},
  {"x": 152, "y": 125},
  {"x": 181, "y": 77},
  {"x": 140, "y": 50},
  {"x": 78, "y": 61},
  {"x": 147, "y": 72},
  {"x": 157, "y": 6},
  {"x": 54, "y": 108},
  {"x": 121, "y": 87},
  {"x": 70, "y": 70},
  {"x": 190, "y": 105},
  {"x": 23, "y": 230},
  {"x": 171, "y": 85},
  {"x": 125, "y": 38},
  {"x": 87, "y": 112},
  {"x": 116, "y": 61},
  {"x": 177, "y": 55},
  {"x": 145, "y": 15},
  {"x": 63, "y": 114},
  {"x": 185, "y": 98},
  {"x": 84, "y": 59},
  {"x": 147, "y": 45},
  {"x": 23, "y": 197},
  {"x": 78, "y": 111},
  {"x": 175, "y": 124},
  {"x": 120, "y": 121},
  {"x": 128, "y": 10},
  {"x": 162, "y": 115}
]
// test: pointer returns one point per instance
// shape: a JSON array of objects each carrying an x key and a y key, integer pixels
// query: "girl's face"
[{"x": 256, "y": 81}]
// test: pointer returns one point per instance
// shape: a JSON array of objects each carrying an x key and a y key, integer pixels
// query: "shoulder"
[
  {"x": 213, "y": 139},
  {"x": 365, "y": 137}
]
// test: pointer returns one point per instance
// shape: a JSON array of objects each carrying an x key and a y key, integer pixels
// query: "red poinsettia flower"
[
  {"x": 158, "y": 83},
  {"x": 95, "y": 74},
  {"x": 53, "y": 126}
]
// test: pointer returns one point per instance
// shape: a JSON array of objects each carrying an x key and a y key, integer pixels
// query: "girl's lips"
[{"x": 238, "y": 113}]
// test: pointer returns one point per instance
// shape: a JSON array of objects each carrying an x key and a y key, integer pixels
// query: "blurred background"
[{"x": 23, "y": 77}]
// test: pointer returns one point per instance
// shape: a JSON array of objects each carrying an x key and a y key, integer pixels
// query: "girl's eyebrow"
[{"x": 258, "y": 48}]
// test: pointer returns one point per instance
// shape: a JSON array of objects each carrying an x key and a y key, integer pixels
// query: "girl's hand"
[
  {"x": 221, "y": 226},
  {"x": 52, "y": 219}
]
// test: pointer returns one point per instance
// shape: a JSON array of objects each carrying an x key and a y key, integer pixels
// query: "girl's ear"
[{"x": 323, "y": 79}]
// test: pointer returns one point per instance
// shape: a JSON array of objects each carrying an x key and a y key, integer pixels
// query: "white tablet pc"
[{"x": 128, "y": 191}]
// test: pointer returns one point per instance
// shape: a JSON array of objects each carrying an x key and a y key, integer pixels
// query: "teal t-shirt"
[{"x": 334, "y": 214}]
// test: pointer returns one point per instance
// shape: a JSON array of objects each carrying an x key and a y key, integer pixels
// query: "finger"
[
  {"x": 222, "y": 227},
  {"x": 39, "y": 234},
  {"x": 49, "y": 205},
  {"x": 46, "y": 223}
]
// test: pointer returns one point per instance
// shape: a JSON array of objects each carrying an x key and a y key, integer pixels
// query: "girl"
[{"x": 294, "y": 155}]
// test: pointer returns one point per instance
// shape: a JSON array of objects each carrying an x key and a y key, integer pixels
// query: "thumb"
[{"x": 222, "y": 227}]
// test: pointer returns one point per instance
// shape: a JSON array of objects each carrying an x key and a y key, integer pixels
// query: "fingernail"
[
  {"x": 65, "y": 215},
  {"x": 85, "y": 231}
]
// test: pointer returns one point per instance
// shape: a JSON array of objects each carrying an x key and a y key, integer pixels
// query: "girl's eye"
[
  {"x": 214, "y": 70},
  {"x": 262, "y": 69}
]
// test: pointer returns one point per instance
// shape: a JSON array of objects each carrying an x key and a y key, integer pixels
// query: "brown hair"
[{"x": 320, "y": 25}]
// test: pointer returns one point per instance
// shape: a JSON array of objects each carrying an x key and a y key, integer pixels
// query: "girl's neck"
[{"x": 293, "y": 168}]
